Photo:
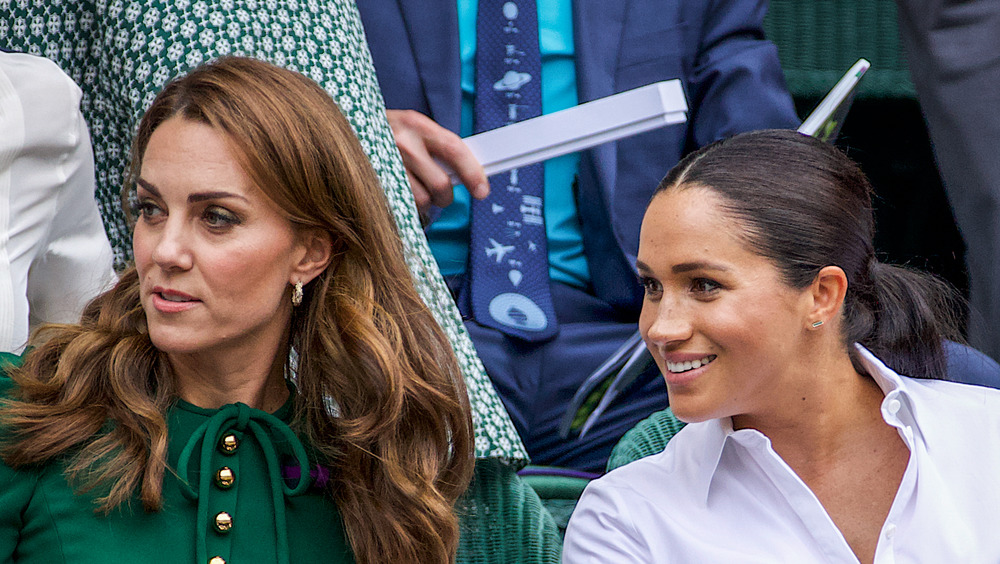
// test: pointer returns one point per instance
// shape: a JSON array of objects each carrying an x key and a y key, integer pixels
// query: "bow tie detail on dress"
[{"x": 260, "y": 425}]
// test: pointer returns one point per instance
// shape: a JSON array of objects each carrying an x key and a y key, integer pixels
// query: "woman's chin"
[
  {"x": 688, "y": 409},
  {"x": 176, "y": 342}
]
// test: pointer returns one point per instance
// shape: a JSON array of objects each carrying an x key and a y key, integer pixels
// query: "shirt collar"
[
  {"x": 897, "y": 408},
  {"x": 716, "y": 434},
  {"x": 900, "y": 407}
]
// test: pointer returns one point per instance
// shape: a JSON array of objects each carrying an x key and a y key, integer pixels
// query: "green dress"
[
  {"x": 230, "y": 492},
  {"x": 502, "y": 520}
]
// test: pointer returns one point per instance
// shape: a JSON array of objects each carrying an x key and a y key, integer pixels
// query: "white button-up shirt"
[
  {"x": 719, "y": 495},
  {"x": 54, "y": 253}
]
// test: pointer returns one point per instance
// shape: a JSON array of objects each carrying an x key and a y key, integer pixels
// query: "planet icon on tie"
[
  {"x": 515, "y": 310},
  {"x": 509, "y": 10},
  {"x": 512, "y": 80}
]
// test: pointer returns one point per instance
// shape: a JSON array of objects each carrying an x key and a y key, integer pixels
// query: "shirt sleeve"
[
  {"x": 602, "y": 530},
  {"x": 74, "y": 262},
  {"x": 737, "y": 83}
]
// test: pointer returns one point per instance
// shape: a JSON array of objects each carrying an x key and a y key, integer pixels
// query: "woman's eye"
[
  {"x": 148, "y": 210},
  {"x": 217, "y": 217},
  {"x": 650, "y": 286},
  {"x": 705, "y": 286}
]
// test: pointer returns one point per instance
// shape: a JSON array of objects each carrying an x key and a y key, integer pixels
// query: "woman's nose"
[
  {"x": 172, "y": 250},
  {"x": 666, "y": 324}
]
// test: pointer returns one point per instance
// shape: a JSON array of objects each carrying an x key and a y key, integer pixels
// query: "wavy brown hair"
[{"x": 380, "y": 396}]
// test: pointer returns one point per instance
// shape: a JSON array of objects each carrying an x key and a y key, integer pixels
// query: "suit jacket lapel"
[{"x": 433, "y": 29}]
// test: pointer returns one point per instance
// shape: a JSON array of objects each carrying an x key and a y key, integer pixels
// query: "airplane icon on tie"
[{"x": 498, "y": 250}]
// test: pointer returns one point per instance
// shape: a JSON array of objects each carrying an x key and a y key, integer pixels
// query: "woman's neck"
[
  {"x": 811, "y": 425},
  {"x": 211, "y": 379}
]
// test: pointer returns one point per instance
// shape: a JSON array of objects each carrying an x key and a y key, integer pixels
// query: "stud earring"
[
  {"x": 817, "y": 324},
  {"x": 297, "y": 294}
]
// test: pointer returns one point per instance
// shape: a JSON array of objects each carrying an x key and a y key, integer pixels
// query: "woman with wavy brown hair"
[{"x": 265, "y": 380}]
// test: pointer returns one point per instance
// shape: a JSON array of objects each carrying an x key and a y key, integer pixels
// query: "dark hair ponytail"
[
  {"x": 806, "y": 205},
  {"x": 903, "y": 316}
]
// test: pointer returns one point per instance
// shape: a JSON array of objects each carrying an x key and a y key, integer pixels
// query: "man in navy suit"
[{"x": 424, "y": 53}]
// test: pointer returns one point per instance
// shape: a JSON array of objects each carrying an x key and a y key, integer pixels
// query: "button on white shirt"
[
  {"x": 54, "y": 253},
  {"x": 719, "y": 495}
]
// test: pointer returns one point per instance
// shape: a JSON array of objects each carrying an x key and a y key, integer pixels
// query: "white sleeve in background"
[{"x": 54, "y": 253}]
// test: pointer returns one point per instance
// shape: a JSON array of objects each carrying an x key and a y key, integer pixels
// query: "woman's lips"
[
  {"x": 172, "y": 301},
  {"x": 682, "y": 371}
]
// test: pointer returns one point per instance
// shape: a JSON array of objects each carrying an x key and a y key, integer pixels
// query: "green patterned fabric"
[
  {"x": 121, "y": 53},
  {"x": 648, "y": 437}
]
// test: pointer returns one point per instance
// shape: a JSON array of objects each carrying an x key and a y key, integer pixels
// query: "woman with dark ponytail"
[{"x": 774, "y": 326}]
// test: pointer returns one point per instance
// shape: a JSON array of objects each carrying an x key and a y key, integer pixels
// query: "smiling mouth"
[{"x": 681, "y": 367}]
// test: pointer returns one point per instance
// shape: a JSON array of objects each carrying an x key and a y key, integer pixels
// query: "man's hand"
[{"x": 425, "y": 146}]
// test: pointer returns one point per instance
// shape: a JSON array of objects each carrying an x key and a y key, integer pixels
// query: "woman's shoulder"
[
  {"x": 954, "y": 395},
  {"x": 7, "y": 361},
  {"x": 16, "y": 484},
  {"x": 632, "y": 511},
  {"x": 668, "y": 476},
  {"x": 937, "y": 402},
  {"x": 954, "y": 406}
]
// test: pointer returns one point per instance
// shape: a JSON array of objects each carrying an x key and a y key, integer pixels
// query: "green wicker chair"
[
  {"x": 818, "y": 40},
  {"x": 558, "y": 488},
  {"x": 504, "y": 521},
  {"x": 648, "y": 437},
  {"x": 122, "y": 52}
]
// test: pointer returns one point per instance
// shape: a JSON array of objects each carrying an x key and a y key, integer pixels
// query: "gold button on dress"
[
  {"x": 225, "y": 478},
  {"x": 223, "y": 522},
  {"x": 229, "y": 443}
]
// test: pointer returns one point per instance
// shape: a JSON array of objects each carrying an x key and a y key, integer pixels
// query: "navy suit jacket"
[{"x": 730, "y": 73}]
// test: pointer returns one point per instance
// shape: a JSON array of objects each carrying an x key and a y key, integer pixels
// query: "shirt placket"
[
  {"x": 829, "y": 540},
  {"x": 897, "y": 415}
]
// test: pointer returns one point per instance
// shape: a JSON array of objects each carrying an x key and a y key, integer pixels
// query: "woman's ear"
[
  {"x": 827, "y": 292},
  {"x": 315, "y": 254}
]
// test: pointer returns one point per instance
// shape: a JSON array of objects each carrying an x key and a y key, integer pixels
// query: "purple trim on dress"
[{"x": 320, "y": 475}]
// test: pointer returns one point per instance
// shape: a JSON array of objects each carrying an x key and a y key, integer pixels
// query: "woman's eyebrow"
[
  {"x": 698, "y": 265},
  {"x": 202, "y": 196},
  {"x": 148, "y": 187},
  {"x": 192, "y": 198},
  {"x": 684, "y": 267}
]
